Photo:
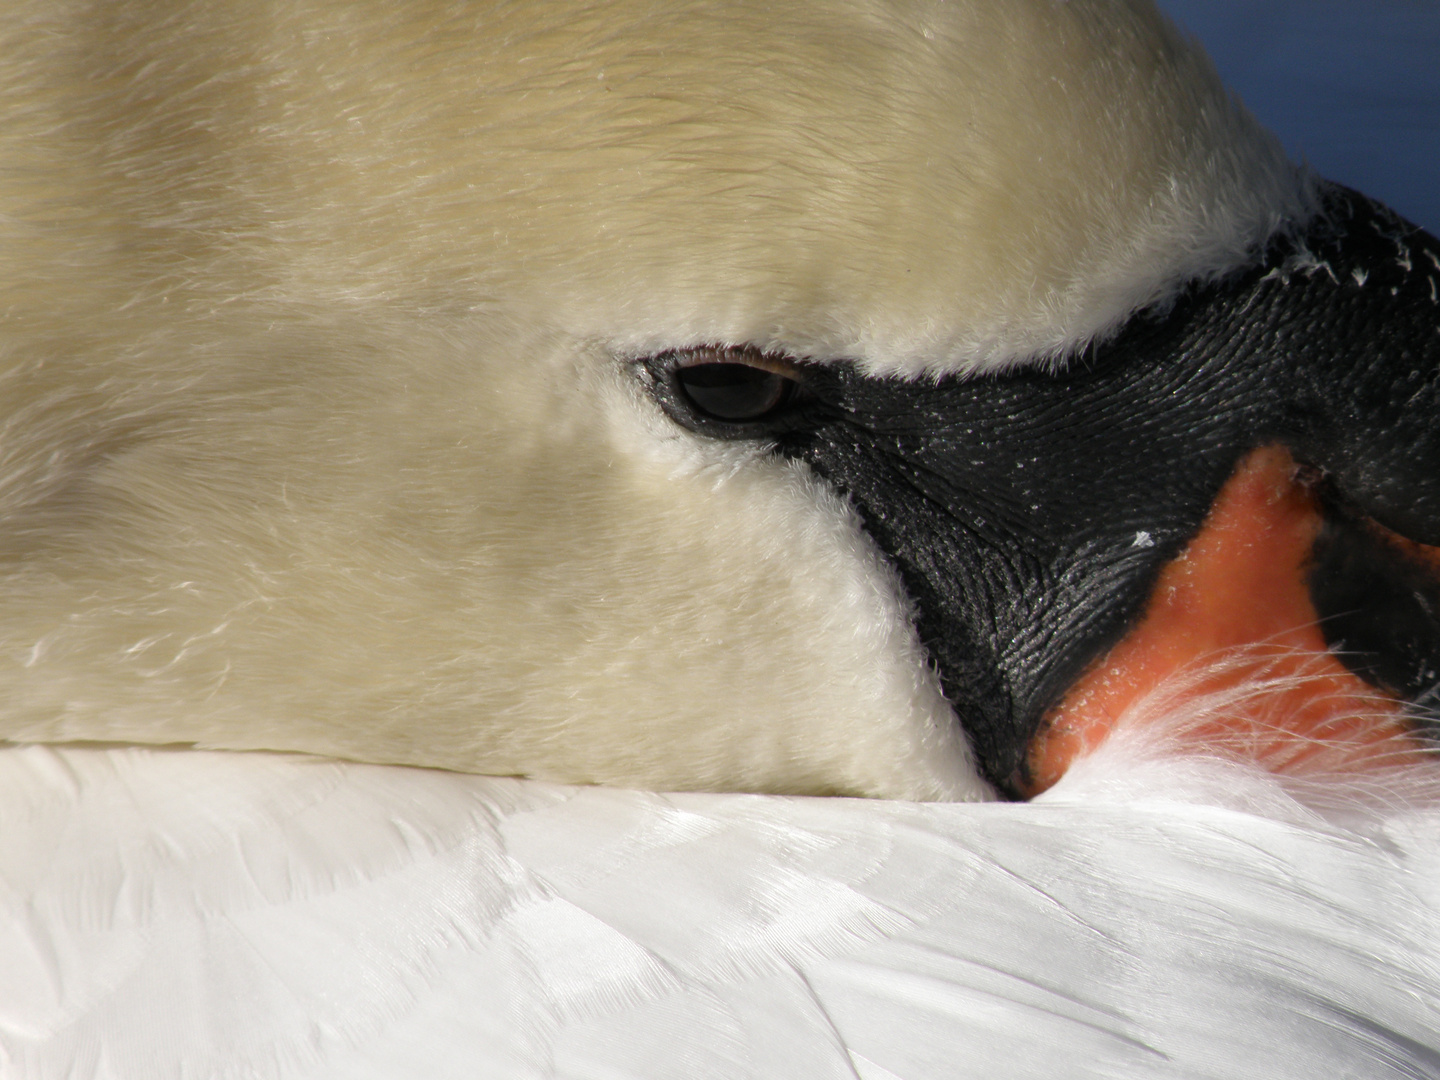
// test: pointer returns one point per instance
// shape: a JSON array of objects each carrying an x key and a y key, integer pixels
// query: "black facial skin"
[{"x": 1030, "y": 513}]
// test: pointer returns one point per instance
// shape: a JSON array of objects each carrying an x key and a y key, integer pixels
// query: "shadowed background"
[{"x": 1351, "y": 87}]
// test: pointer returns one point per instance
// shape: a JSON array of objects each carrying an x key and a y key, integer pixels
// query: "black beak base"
[{"x": 1030, "y": 513}]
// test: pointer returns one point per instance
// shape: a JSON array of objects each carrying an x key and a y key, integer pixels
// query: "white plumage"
[{"x": 184, "y": 913}]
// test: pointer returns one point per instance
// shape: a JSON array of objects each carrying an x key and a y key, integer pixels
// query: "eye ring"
[{"x": 734, "y": 385}]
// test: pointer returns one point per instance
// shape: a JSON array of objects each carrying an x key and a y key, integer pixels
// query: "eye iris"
[{"x": 733, "y": 392}]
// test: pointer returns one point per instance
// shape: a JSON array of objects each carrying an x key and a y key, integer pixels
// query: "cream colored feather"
[{"x": 319, "y": 429}]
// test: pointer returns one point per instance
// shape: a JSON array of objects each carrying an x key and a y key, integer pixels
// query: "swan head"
[{"x": 742, "y": 397}]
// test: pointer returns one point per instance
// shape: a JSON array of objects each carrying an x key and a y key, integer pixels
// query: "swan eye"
[
  {"x": 734, "y": 392},
  {"x": 735, "y": 385}
]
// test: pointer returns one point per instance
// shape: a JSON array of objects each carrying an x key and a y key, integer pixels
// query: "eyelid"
[{"x": 776, "y": 363}]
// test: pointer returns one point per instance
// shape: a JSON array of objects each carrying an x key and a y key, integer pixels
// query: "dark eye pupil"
[{"x": 734, "y": 392}]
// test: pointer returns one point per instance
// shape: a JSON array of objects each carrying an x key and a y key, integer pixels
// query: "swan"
[
  {"x": 932, "y": 402},
  {"x": 353, "y": 393}
]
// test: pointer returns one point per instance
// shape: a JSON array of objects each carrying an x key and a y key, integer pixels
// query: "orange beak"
[{"x": 1232, "y": 638}]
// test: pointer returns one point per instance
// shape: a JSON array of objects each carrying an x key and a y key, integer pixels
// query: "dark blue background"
[{"x": 1351, "y": 86}]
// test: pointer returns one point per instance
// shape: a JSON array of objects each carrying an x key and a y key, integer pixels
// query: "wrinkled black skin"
[{"x": 1011, "y": 504}]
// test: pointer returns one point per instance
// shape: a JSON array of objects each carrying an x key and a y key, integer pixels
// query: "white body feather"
[{"x": 173, "y": 915}]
